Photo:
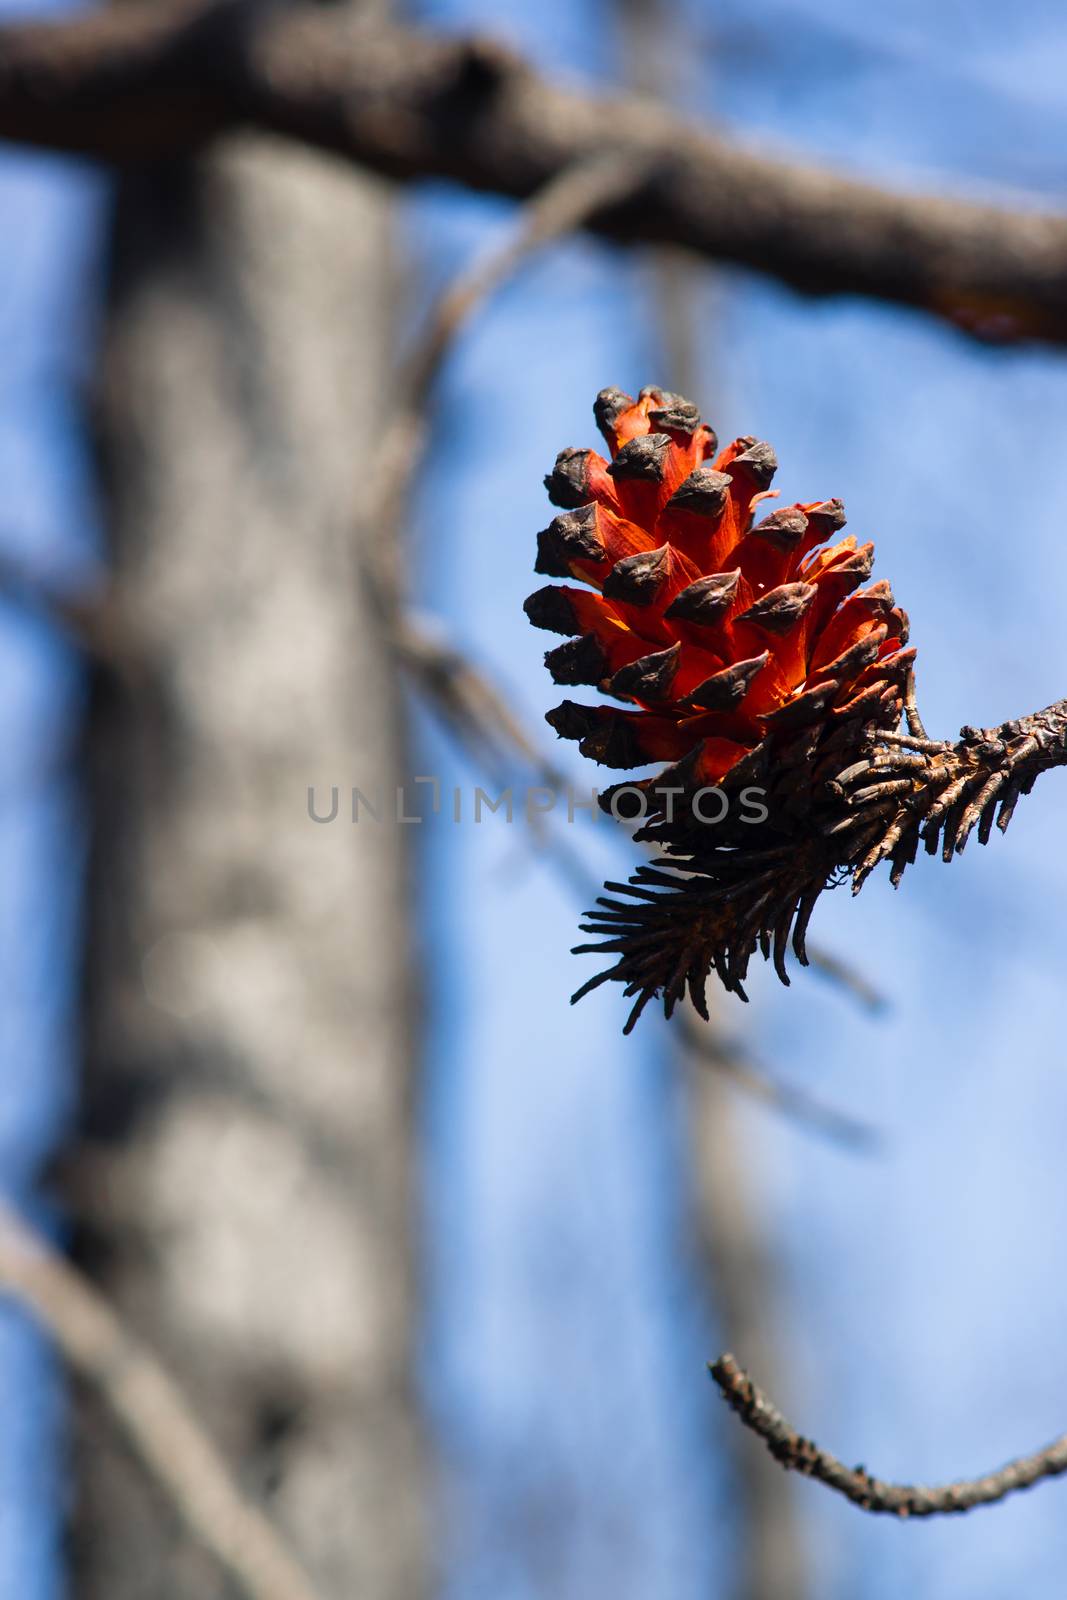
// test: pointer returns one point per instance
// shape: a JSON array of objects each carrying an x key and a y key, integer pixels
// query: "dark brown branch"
[
  {"x": 131, "y": 83},
  {"x": 937, "y": 793},
  {"x": 718, "y": 895},
  {"x": 856, "y": 1483}
]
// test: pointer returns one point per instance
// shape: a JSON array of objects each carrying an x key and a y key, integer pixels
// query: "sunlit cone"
[{"x": 740, "y": 648}]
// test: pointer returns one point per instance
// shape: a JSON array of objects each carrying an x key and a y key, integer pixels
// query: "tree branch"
[
  {"x": 153, "y": 1413},
  {"x": 935, "y": 792},
  {"x": 719, "y": 894},
  {"x": 135, "y": 83},
  {"x": 856, "y": 1484}
]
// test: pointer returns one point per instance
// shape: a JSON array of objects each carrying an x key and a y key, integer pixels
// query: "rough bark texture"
[{"x": 244, "y": 1175}]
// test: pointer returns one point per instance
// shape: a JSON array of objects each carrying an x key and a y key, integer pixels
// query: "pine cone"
[{"x": 745, "y": 654}]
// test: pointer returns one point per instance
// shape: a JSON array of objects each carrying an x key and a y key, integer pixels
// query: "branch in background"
[
  {"x": 153, "y": 1413},
  {"x": 565, "y": 203},
  {"x": 835, "y": 969},
  {"x": 484, "y": 723},
  {"x": 474, "y": 709},
  {"x": 856, "y": 1483},
  {"x": 770, "y": 1554},
  {"x": 91, "y": 618},
  {"x": 710, "y": 1048},
  {"x": 134, "y": 83},
  {"x": 470, "y": 705}
]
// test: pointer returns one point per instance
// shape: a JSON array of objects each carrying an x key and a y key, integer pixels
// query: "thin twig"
[
  {"x": 155, "y": 1416},
  {"x": 728, "y": 1057},
  {"x": 563, "y": 205},
  {"x": 856, "y": 1483},
  {"x": 848, "y": 977},
  {"x": 92, "y": 618},
  {"x": 466, "y": 698},
  {"x": 470, "y": 705}
]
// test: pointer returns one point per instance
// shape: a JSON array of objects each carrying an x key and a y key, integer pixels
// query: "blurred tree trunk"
[{"x": 244, "y": 1174}]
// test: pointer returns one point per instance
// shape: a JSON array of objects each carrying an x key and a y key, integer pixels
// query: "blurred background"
[{"x": 436, "y": 1261}]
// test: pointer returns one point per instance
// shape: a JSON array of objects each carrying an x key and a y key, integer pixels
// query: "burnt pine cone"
[{"x": 746, "y": 654}]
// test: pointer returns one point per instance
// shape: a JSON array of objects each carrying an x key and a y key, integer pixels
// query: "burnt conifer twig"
[
  {"x": 716, "y": 897},
  {"x": 939, "y": 792},
  {"x": 798, "y": 1454}
]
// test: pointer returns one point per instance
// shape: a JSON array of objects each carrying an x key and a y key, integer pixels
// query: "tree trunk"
[{"x": 243, "y": 1179}]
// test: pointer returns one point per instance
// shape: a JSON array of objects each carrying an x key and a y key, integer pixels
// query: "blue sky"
[
  {"x": 50, "y": 218},
  {"x": 566, "y": 1333},
  {"x": 912, "y": 1283}
]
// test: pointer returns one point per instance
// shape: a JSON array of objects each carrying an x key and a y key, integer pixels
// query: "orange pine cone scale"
[
  {"x": 737, "y": 644},
  {"x": 711, "y": 627}
]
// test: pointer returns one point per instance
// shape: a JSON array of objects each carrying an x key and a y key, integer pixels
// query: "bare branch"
[
  {"x": 133, "y": 83},
  {"x": 473, "y": 707},
  {"x": 936, "y": 792},
  {"x": 475, "y": 710},
  {"x": 713, "y": 1049},
  {"x": 856, "y": 1484},
  {"x": 465, "y": 698},
  {"x": 565, "y": 203},
  {"x": 848, "y": 977},
  {"x": 155, "y": 1416},
  {"x": 91, "y": 617}
]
